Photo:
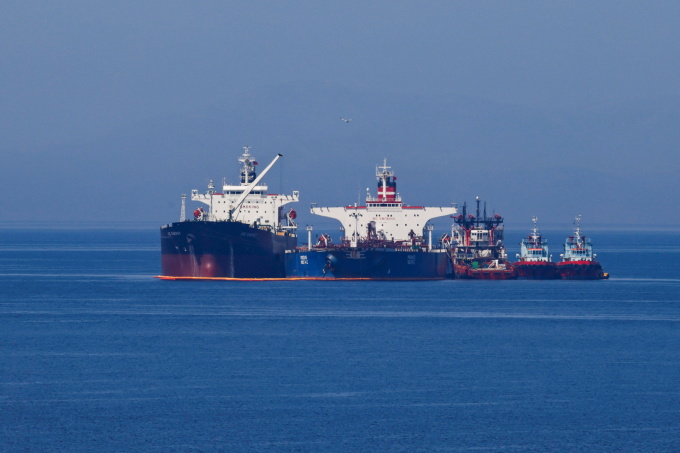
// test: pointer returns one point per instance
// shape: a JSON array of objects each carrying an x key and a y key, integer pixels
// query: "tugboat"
[
  {"x": 478, "y": 251},
  {"x": 382, "y": 240},
  {"x": 243, "y": 234},
  {"x": 535, "y": 263},
  {"x": 578, "y": 261}
]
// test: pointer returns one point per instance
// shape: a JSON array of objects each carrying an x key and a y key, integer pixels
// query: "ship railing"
[
  {"x": 416, "y": 248},
  {"x": 372, "y": 199},
  {"x": 401, "y": 246}
]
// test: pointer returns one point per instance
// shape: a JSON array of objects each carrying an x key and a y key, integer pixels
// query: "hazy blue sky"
[{"x": 75, "y": 74}]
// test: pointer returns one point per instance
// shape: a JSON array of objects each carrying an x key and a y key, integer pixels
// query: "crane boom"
[{"x": 241, "y": 199}]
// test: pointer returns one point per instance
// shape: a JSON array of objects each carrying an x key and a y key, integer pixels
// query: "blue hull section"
[{"x": 369, "y": 264}]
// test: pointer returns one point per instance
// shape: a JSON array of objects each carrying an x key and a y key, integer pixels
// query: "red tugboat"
[
  {"x": 578, "y": 261},
  {"x": 479, "y": 252},
  {"x": 534, "y": 261}
]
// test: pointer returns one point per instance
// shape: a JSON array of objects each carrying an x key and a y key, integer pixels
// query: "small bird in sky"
[{"x": 346, "y": 120}]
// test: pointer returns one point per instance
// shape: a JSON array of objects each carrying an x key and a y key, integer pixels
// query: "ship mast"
[
  {"x": 382, "y": 177},
  {"x": 534, "y": 231},
  {"x": 248, "y": 170},
  {"x": 386, "y": 185},
  {"x": 577, "y": 229}
]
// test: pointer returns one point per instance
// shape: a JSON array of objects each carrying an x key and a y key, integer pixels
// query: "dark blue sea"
[{"x": 96, "y": 355}]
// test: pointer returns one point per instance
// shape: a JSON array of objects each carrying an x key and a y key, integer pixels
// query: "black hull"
[{"x": 199, "y": 249}]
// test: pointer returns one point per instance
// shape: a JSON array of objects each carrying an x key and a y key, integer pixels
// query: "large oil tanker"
[
  {"x": 382, "y": 240},
  {"x": 243, "y": 232}
]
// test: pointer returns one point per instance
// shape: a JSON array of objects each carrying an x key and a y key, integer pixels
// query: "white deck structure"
[
  {"x": 247, "y": 202},
  {"x": 384, "y": 216}
]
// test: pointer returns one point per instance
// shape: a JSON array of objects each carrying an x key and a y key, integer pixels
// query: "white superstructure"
[
  {"x": 578, "y": 247},
  {"x": 534, "y": 247},
  {"x": 247, "y": 202},
  {"x": 385, "y": 216}
]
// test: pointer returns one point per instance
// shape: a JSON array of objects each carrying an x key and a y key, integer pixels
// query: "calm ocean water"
[{"x": 97, "y": 355}]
